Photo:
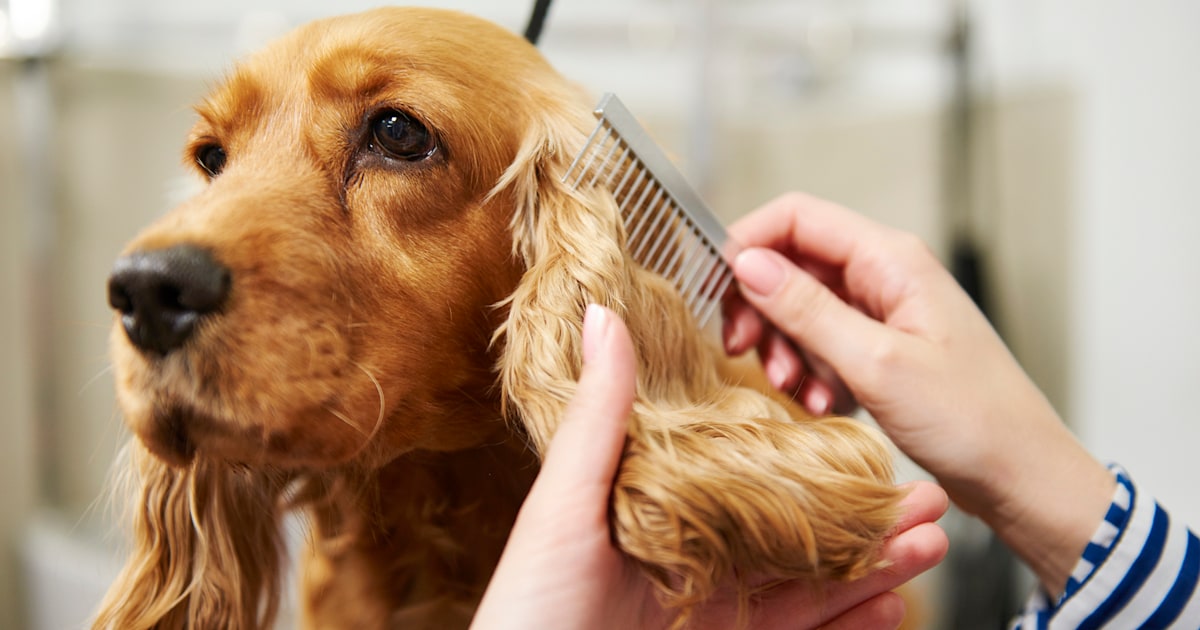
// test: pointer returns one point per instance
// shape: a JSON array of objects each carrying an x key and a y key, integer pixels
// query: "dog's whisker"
[
  {"x": 382, "y": 400},
  {"x": 346, "y": 419},
  {"x": 367, "y": 436},
  {"x": 312, "y": 352},
  {"x": 114, "y": 423},
  {"x": 92, "y": 381}
]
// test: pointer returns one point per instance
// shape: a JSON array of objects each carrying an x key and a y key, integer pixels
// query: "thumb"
[
  {"x": 584, "y": 452},
  {"x": 806, "y": 310}
]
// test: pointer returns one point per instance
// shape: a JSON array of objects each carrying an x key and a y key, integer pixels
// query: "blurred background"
[{"x": 1049, "y": 151}]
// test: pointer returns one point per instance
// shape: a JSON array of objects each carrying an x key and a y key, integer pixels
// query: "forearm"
[{"x": 1049, "y": 504}]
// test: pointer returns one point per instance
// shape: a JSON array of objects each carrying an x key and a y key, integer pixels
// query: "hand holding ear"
[{"x": 561, "y": 570}]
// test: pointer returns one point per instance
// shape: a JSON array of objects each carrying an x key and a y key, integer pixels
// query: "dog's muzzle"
[{"x": 163, "y": 294}]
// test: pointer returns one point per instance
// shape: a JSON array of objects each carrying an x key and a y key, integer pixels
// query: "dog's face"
[{"x": 329, "y": 293}]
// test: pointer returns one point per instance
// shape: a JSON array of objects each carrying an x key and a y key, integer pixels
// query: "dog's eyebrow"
[
  {"x": 240, "y": 94},
  {"x": 349, "y": 73}
]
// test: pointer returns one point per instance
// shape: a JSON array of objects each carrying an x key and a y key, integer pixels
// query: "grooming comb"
[{"x": 669, "y": 230}]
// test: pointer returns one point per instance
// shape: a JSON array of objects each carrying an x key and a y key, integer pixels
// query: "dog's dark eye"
[
  {"x": 211, "y": 158},
  {"x": 400, "y": 136}
]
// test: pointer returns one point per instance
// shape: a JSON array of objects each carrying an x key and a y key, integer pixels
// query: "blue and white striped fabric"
[{"x": 1140, "y": 570}]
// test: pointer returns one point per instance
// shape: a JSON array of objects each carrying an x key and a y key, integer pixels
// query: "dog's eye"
[
  {"x": 400, "y": 136},
  {"x": 211, "y": 158}
]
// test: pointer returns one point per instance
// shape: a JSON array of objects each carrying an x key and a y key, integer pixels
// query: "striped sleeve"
[{"x": 1140, "y": 570}]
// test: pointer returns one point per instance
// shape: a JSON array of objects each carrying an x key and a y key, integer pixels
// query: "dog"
[{"x": 371, "y": 312}]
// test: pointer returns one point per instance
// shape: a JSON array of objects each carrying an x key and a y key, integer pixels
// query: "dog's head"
[
  {"x": 330, "y": 298},
  {"x": 330, "y": 292}
]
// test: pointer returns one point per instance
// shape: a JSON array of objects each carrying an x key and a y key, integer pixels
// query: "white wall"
[
  {"x": 1138, "y": 346},
  {"x": 1135, "y": 277},
  {"x": 1137, "y": 354}
]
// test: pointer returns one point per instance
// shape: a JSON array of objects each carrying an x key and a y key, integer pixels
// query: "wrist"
[{"x": 1047, "y": 509}]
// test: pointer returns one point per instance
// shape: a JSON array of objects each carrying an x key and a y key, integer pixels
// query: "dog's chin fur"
[{"x": 401, "y": 338}]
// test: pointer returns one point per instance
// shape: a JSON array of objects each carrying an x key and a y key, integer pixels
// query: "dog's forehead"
[{"x": 437, "y": 57}]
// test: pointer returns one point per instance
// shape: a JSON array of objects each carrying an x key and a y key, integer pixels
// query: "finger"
[
  {"x": 807, "y": 311},
  {"x": 782, "y": 363},
  {"x": 828, "y": 275},
  {"x": 925, "y": 502},
  {"x": 787, "y": 369},
  {"x": 911, "y": 552},
  {"x": 823, "y": 392},
  {"x": 743, "y": 327},
  {"x": 823, "y": 396},
  {"x": 807, "y": 226},
  {"x": 563, "y": 521},
  {"x": 844, "y": 402},
  {"x": 584, "y": 452},
  {"x": 817, "y": 397},
  {"x": 907, "y": 554},
  {"x": 885, "y": 610}
]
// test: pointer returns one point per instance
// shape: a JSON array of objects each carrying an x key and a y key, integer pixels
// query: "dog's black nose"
[{"x": 162, "y": 294}]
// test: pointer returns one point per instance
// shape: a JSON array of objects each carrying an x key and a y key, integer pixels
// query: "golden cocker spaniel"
[{"x": 372, "y": 312}]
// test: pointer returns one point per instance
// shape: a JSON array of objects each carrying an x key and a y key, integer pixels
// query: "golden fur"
[{"x": 398, "y": 333}]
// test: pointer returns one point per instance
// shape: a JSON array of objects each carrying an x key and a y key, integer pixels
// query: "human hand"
[
  {"x": 876, "y": 306},
  {"x": 561, "y": 570}
]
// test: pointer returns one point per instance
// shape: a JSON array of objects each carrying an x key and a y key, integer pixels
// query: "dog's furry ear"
[
  {"x": 719, "y": 483},
  {"x": 206, "y": 553},
  {"x": 556, "y": 234}
]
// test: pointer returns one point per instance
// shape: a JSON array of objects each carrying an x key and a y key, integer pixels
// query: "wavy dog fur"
[
  {"x": 374, "y": 296},
  {"x": 718, "y": 481}
]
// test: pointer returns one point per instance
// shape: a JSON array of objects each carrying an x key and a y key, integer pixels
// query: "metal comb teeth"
[{"x": 669, "y": 229}]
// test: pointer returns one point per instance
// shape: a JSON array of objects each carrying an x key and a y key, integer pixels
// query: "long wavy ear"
[
  {"x": 206, "y": 549},
  {"x": 719, "y": 483}
]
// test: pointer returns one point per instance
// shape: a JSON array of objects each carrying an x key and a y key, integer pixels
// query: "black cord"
[{"x": 536, "y": 19}]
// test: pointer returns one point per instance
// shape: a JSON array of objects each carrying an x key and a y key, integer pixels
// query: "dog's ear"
[
  {"x": 719, "y": 483},
  {"x": 206, "y": 549},
  {"x": 569, "y": 243}
]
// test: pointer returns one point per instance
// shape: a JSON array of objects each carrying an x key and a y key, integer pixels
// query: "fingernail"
[
  {"x": 595, "y": 330},
  {"x": 732, "y": 334},
  {"x": 758, "y": 271},
  {"x": 777, "y": 374},
  {"x": 817, "y": 402}
]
